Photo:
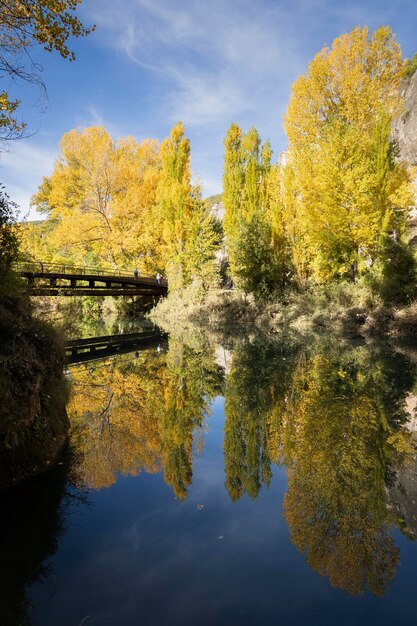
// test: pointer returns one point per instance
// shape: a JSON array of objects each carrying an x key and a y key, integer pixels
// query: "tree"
[
  {"x": 255, "y": 239},
  {"x": 350, "y": 191},
  {"x": 23, "y": 25},
  {"x": 101, "y": 196},
  {"x": 187, "y": 235},
  {"x": 9, "y": 244}
]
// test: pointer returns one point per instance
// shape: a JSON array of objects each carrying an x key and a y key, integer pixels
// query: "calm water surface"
[{"x": 255, "y": 484}]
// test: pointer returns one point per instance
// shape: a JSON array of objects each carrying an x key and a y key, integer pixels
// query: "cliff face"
[{"x": 405, "y": 128}]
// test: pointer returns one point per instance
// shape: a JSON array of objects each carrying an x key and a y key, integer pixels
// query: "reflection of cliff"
[
  {"x": 403, "y": 499},
  {"x": 133, "y": 413},
  {"x": 31, "y": 522},
  {"x": 338, "y": 421}
]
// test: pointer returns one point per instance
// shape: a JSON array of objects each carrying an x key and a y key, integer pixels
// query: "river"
[{"x": 255, "y": 482}]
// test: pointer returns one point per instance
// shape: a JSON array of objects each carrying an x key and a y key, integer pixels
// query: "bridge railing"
[{"x": 40, "y": 267}]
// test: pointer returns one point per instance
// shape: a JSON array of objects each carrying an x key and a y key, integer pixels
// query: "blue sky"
[{"x": 208, "y": 63}]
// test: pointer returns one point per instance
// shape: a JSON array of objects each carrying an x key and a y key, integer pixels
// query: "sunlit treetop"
[
  {"x": 25, "y": 24},
  {"x": 49, "y": 23}
]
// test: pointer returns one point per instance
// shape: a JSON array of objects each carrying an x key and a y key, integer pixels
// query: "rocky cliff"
[{"x": 405, "y": 128}]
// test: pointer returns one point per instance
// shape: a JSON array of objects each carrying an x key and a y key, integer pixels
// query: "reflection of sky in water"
[{"x": 138, "y": 555}]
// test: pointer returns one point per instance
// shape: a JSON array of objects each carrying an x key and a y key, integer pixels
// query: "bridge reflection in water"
[
  {"x": 92, "y": 348},
  {"x": 50, "y": 279}
]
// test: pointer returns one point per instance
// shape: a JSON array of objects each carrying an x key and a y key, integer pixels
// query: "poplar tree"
[
  {"x": 188, "y": 240},
  {"x": 255, "y": 239},
  {"x": 351, "y": 193}
]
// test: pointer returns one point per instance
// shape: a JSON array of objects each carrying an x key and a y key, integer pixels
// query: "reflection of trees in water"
[
  {"x": 32, "y": 521},
  {"x": 338, "y": 422},
  {"x": 256, "y": 391},
  {"x": 129, "y": 414},
  {"x": 346, "y": 439}
]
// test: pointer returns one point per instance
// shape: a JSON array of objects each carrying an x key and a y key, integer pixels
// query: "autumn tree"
[
  {"x": 99, "y": 199},
  {"x": 350, "y": 193},
  {"x": 23, "y": 25},
  {"x": 255, "y": 241},
  {"x": 187, "y": 236}
]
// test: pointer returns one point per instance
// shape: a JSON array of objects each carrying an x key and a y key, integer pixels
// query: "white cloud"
[
  {"x": 22, "y": 169},
  {"x": 218, "y": 63}
]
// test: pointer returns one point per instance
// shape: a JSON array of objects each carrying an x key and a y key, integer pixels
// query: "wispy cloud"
[
  {"x": 218, "y": 62},
  {"x": 23, "y": 168}
]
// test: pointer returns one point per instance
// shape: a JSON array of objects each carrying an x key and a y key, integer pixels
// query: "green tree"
[
  {"x": 255, "y": 240},
  {"x": 9, "y": 243}
]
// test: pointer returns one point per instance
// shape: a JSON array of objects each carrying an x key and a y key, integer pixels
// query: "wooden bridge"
[
  {"x": 92, "y": 348},
  {"x": 50, "y": 279}
]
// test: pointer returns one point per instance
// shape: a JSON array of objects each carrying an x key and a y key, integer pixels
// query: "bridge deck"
[{"x": 52, "y": 279}]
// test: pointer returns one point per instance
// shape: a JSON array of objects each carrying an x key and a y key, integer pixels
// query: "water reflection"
[
  {"x": 336, "y": 418},
  {"x": 142, "y": 412},
  {"x": 346, "y": 439},
  {"x": 256, "y": 391}
]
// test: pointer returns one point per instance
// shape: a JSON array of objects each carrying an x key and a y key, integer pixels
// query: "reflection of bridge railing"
[{"x": 92, "y": 348}]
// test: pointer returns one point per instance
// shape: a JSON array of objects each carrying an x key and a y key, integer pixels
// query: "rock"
[{"x": 405, "y": 127}]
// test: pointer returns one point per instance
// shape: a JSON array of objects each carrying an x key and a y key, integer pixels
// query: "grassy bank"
[{"x": 341, "y": 310}]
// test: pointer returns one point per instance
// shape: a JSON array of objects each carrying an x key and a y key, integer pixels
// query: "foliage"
[
  {"x": 141, "y": 413},
  {"x": 188, "y": 238},
  {"x": 351, "y": 193},
  {"x": 98, "y": 195},
  {"x": 255, "y": 240},
  {"x": 346, "y": 434},
  {"x": 411, "y": 65},
  {"x": 9, "y": 243},
  {"x": 394, "y": 276},
  {"x": 337, "y": 419},
  {"x": 24, "y": 24},
  {"x": 124, "y": 204}
]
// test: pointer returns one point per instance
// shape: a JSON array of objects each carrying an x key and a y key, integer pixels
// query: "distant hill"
[{"x": 213, "y": 200}]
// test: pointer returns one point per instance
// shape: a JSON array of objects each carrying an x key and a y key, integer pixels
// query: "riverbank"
[
  {"x": 343, "y": 310},
  {"x": 33, "y": 393}
]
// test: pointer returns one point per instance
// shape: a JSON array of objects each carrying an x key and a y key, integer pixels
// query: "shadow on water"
[{"x": 32, "y": 522}]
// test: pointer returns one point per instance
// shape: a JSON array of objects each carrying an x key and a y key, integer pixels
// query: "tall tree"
[
  {"x": 187, "y": 236},
  {"x": 350, "y": 191},
  {"x": 256, "y": 241}
]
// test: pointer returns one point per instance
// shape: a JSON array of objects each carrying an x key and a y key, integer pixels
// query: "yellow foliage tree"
[
  {"x": 101, "y": 195},
  {"x": 350, "y": 192}
]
